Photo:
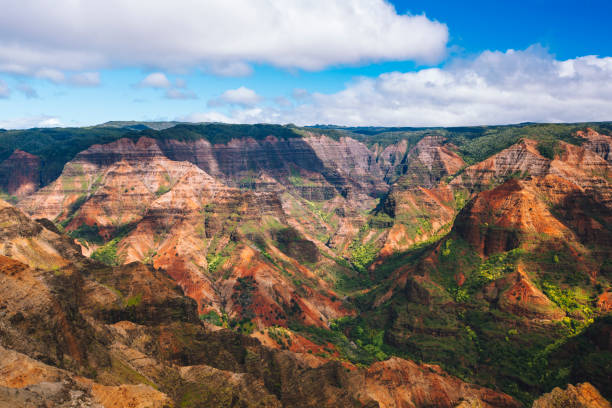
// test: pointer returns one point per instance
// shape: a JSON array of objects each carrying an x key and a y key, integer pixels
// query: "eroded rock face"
[
  {"x": 119, "y": 333},
  {"x": 579, "y": 396},
  {"x": 520, "y": 159},
  {"x": 20, "y": 174},
  {"x": 522, "y": 298},
  {"x": 403, "y": 383},
  {"x": 177, "y": 217},
  {"x": 497, "y": 220},
  {"x": 260, "y": 231},
  {"x": 37, "y": 244},
  {"x": 598, "y": 143},
  {"x": 555, "y": 200},
  {"x": 25, "y": 382},
  {"x": 420, "y": 201}
]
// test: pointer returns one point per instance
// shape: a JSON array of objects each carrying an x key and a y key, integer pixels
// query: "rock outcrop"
[
  {"x": 20, "y": 174},
  {"x": 126, "y": 336},
  {"x": 579, "y": 396}
]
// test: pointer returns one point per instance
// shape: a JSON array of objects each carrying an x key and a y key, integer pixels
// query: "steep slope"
[
  {"x": 20, "y": 173},
  {"x": 277, "y": 232},
  {"x": 597, "y": 142},
  {"x": 126, "y": 336},
  {"x": 525, "y": 264},
  {"x": 38, "y": 244},
  {"x": 580, "y": 396},
  {"x": 420, "y": 202},
  {"x": 127, "y": 202}
]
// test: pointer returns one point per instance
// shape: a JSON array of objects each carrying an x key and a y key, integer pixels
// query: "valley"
[{"x": 267, "y": 265}]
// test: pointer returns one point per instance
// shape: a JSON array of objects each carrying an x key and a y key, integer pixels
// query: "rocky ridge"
[{"x": 127, "y": 336}]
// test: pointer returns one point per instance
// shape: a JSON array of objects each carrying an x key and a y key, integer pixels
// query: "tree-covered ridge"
[{"x": 57, "y": 146}]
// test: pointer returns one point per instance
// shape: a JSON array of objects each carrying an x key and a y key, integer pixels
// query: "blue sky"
[{"x": 359, "y": 62}]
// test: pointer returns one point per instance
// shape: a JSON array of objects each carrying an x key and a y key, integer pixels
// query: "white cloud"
[
  {"x": 220, "y": 36},
  {"x": 493, "y": 88},
  {"x": 155, "y": 80},
  {"x": 30, "y": 122},
  {"x": 85, "y": 79},
  {"x": 206, "y": 117},
  {"x": 241, "y": 96},
  {"x": 158, "y": 80},
  {"x": 52, "y": 75},
  {"x": 4, "y": 90}
]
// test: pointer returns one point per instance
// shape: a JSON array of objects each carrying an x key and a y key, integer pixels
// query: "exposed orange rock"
[
  {"x": 580, "y": 396},
  {"x": 38, "y": 383},
  {"x": 495, "y": 220},
  {"x": 519, "y": 159},
  {"x": 598, "y": 143},
  {"x": 523, "y": 298},
  {"x": 398, "y": 383},
  {"x": 133, "y": 396},
  {"x": 175, "y": 213},
  {"x": 421, "y": 203},
  {"x": 132, "y": 324},
  {"x": 37, "y": 244},
  {"x": 604, "y": 301}
]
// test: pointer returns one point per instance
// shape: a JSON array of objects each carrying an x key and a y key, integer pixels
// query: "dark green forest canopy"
[{"x": 57, "y": 146}]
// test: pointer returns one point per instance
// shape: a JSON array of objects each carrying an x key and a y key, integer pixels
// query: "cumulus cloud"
[
  {"x": 158, "y": 80},
  {"x": 220, "y": 36},
  {"x": 155, "y": 80},
  {"x": 241, "y": 96},
  {"x": 30, "y": 122},
  {"x": 54, "y": 75},
  {"x": 493, "y": 88}
]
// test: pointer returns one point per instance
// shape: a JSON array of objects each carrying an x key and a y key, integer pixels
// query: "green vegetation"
[
  {"x": 281, "y": 336},
  {"x": 365, "y": 353},
  {"x": 478, "y": 142},
  {"x": 8, "y": 198},
  {"x": 362, "y": 255},
  {"x": 134, "y": 301},
  {"x": 107, "y": 253},
  {"x": 55, "y": 146},
  {"x": 289, "y": 241},
  {"x": 89, "y": 234},
  {"x": 214, "y": 261},
  {"x": 212, "y": 317},
  {"x": 498, "y": 265},
  {"x": 163, "y": 189},
  {"x": 568, "y": 300}
]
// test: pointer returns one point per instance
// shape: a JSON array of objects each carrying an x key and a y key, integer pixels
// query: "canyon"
[{"x": 266, "y": 265}]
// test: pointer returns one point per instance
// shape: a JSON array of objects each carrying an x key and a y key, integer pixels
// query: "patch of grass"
[
  {"x": 108, "y": 253},
  {"x": 134, "y": 301},
  {"x": 163, "y": 189},
  {"x": 212, "y": 317}
]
